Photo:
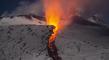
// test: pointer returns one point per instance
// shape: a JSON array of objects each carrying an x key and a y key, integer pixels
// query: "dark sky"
[{"x": 10, "y": 5}]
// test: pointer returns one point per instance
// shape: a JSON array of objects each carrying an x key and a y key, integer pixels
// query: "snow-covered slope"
[
  {"x": 22, "y": 19},
  {"x": 83, "y": 42},
  {"x": 24, "y": 42},
  {"x": 24, "y": 37}
]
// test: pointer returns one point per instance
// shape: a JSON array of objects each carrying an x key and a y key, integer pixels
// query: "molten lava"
[
  {"x": 58, "y": 13},
  {"x": 53, "y": 16}
]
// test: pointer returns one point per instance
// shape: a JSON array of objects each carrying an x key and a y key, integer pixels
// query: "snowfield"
[
  {"x": 82, "y": 42},
  {"x": 76, "y": 42}
]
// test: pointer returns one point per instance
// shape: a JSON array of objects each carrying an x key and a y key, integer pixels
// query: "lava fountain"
[
  {"x": 53, "y": 16},
  {"x": 57, "y": 15}
]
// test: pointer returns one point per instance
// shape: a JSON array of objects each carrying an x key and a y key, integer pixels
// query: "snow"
[
  {"x": 24, "y": 42},
  {"x": 82, "y": 42},
  {"x": 18, "y": 20},
  {"x": 76, "y": 42},
  {"x": 23, "y": 38}
]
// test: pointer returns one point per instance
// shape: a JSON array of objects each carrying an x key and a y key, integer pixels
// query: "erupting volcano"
[
  {"x": 53, "y": 16},
  {"x": 59, "y": 17},
  {"x": 56, "y": 16}
]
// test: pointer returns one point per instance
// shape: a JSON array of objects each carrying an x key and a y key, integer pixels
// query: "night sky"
[{"x": 10, "y": 5}]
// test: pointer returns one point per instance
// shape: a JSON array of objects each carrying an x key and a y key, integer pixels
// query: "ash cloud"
[
  {"x": 96, "y": 7},
  {"x": 89, "y": 8}
]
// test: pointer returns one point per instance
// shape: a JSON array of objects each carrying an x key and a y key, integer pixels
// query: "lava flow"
[
  {"x": 53, "y": 16},
  {"x": 58, "y": 13},
  {"x": 57, "y": 16}
]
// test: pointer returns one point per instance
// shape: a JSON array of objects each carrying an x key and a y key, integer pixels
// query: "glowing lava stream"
[
  {"x": 53, "y": 19},
  {"x": 53, "y": 16}
]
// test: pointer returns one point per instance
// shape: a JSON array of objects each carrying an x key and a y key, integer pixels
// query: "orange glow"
[
  {"x": 53, "y": 16},
  {"x": 58, "y": 13}
]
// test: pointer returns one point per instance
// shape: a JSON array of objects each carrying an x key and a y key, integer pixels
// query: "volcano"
[{"x": 25, "y": 37}]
